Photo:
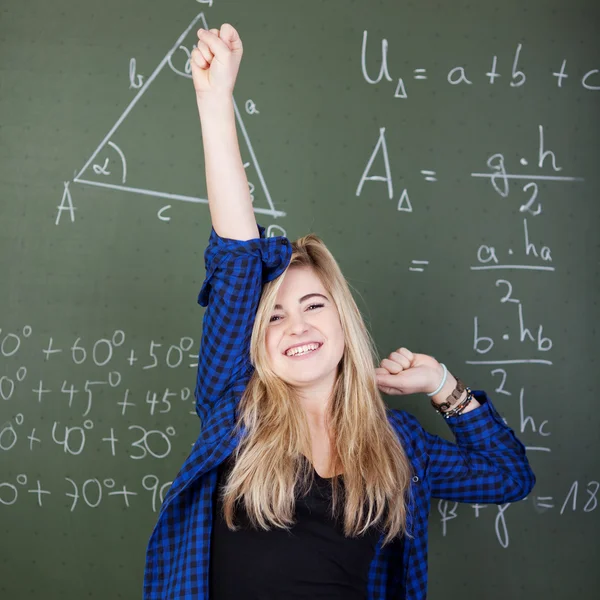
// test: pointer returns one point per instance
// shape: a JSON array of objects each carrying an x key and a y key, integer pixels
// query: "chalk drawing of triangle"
[{"x": 142, "y": 151}]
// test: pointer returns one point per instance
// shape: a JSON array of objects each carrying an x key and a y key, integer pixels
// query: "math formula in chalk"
[
  {"x": 81, "y": 493},
  {"x": 137, "y": 429},
  {"x": 543, "y": 167},
  {"x": 506, "y": 69},
  {"x": 579, "y": 498}
]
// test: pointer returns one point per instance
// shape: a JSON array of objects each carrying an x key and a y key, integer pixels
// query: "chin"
[{"x": 306, "y": 378}]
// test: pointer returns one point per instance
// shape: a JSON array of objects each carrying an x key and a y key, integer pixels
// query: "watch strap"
[{"x": 452, "y": 399}]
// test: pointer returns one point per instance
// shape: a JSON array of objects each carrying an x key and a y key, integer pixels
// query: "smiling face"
[{"x": 304, "y": 338}]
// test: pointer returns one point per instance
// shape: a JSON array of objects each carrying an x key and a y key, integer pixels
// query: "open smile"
[{"x": 303, "y": 351}]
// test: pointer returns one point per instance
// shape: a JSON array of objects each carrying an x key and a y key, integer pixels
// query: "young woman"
[{"x": 302, "y": 483}]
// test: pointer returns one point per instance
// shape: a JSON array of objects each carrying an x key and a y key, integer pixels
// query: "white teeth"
[{"x": 302, "y": 349}]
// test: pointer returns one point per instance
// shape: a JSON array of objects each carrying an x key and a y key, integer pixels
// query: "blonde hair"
[{"x": 269, "y": 467}]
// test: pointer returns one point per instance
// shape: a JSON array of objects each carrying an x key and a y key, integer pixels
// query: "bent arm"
[
  {"x": 487, "y": 464},
  {"x": 236, "y": 271}
]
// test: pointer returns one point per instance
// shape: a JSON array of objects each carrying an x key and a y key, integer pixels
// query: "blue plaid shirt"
[{"x": 487, "y": 464}]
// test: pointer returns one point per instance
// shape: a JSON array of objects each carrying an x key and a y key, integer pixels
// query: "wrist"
[
  {"x": 438, "y": 380},
  {"x": 214, "y": 102},
  {"x": 447, "y": 390},
  {"x": 452, "y": 397},
  {"x": 217, "y": 120}
]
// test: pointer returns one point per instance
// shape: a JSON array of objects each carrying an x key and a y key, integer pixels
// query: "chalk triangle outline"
[{"x": 167, "y": 195}]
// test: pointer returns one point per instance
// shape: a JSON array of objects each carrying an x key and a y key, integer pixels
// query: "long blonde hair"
[{"x": 270, "y": 469}]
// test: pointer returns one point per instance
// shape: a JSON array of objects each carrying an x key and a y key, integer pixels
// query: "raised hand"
[
  {"x": 215, "y": 60},
  {"x": 405, "y": 373}
]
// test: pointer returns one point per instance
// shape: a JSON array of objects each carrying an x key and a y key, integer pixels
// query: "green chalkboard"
[{"x": 447, "y": 153}]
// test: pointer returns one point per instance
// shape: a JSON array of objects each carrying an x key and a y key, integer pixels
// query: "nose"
[{"x": 297, "y": 324}]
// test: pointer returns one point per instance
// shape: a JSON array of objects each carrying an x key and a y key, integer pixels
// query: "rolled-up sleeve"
[{"x": 236, "y": 271}]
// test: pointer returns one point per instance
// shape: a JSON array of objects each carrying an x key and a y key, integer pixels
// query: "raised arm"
[
  {"x": 215, "y": 64},
  {"x": 238, "y": 259}
]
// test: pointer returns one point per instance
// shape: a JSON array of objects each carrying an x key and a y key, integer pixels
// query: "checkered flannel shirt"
[{"x": 486, "y": 464}]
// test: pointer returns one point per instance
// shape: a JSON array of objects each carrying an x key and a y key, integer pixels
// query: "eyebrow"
[{"x": 279, "y": 307}]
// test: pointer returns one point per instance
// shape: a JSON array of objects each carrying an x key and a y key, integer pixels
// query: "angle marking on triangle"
[{"x": 141, "y": 91}]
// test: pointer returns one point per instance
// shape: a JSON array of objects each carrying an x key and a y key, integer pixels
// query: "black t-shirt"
[{"x": 311, "y": 561}]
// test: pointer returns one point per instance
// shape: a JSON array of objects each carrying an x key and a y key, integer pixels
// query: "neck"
[{"x": 315, "y": 402}]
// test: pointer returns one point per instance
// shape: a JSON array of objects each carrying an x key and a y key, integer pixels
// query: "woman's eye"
[
  {"x": 316, "y": 306},
  {"x": 309, "y": 307}
]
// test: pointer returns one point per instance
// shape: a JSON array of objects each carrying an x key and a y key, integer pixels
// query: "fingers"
[
  {"x": 218, "y": 47},
  {"x": 381, "y": 373},
  {"x": 391, "y": 366},
  {"x": 203, "y": 58},
  {"x": 386, "y": 382},
  {"x": 398, "y": 361},
  {"x": 202, "y": 55},
  {"x": 401, "y": 359},
  {"x": 231, "y": 37},
  {"x": 405, "y": 352},
  {"x": 198, "y": 59}
]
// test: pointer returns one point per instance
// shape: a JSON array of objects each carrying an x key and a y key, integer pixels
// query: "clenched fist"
[
  {"x": 405, "y": 373},
  {"x": 215, "y": 60}
]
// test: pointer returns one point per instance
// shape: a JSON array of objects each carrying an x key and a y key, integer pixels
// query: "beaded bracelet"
[{"x": 457, "y": 410}]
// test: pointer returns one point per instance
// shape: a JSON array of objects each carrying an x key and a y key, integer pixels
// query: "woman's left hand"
[{"x": 405, "y": 373}]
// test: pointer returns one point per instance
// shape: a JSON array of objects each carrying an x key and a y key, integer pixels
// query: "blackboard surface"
[{"x": 447, "y": 153}]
